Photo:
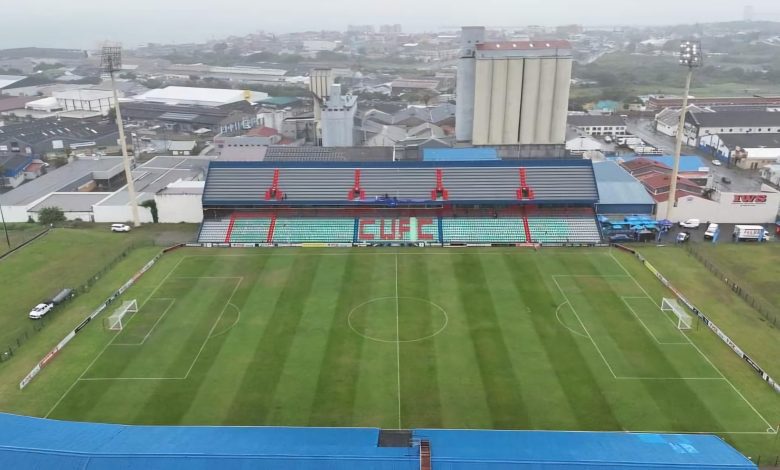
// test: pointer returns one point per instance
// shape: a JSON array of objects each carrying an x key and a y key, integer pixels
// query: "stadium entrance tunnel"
[{"x": 398, "y": 319}]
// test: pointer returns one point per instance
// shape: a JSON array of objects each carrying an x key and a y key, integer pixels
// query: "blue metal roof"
[
  {"x": 617, "y": 186},
  {"x": 455, "y": 450},
  {"x": 459, "y": 154},
  {"x": 41, "y": 443}
]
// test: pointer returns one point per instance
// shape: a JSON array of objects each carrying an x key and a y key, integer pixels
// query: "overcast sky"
[{"x": 85, "y": 23}]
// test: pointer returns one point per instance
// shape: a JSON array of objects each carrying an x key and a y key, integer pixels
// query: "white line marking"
[
  {"x": 154, "y": 291},
  {"x": 692, "y": 343},
  {"x": 631, "y": 309},
  {"x": 583, "y": 326},
  {"x": 398, "y": 339},
  {"x": 557, "y": 316},
  {"x": 170, "y": 304},
  {"x": 238, "y": 317}
]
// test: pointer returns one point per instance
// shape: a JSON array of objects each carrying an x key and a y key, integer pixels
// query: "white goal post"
[
  {"x": 684, "y": 319},
  {"x": 116, "y": 320}
]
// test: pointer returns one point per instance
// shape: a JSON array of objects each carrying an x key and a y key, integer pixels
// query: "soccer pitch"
[{"x": 459, "y": 338}]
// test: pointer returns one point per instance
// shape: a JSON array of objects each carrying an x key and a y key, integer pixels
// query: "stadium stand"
[
  {"x": 42, "y": 443},
  {"x": 483, "y": 202}
]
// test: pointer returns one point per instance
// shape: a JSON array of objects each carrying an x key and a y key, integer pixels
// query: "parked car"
[
  {"x": 725, "y": 180},
  {"x": 40, "y": 310},
  {"x": 620, "y": 238},
  {"x": 683, "y": 237},
  {"x": 120, "y": 228},
  {"x": 716, "y": 162},
  {"x": 690, "y": 223},
  {"x": 709, "y": 234}
]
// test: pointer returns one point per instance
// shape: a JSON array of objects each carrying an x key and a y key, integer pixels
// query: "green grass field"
[
  {"x": 555, "y": 339},
  {"x": 488, "y": 338}
]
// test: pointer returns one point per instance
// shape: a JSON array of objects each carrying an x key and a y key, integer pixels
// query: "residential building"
[
  {"x": 747, "y": 151},
  {"x": 512, "y": 93},
  {"x": 698, "y": 125},
  {"x": 598, "y": 124}
]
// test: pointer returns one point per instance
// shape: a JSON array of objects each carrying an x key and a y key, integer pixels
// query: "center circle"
[{"x": 398, "y": 319}]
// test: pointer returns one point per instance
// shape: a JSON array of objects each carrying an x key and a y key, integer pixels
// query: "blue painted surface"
[
  {"x": 47, "y": 444},
  {"x": 460, "y": 154},
  {"x": 581, "y": 450}
]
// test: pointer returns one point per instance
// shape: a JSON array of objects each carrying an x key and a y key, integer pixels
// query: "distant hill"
[{"x": 41, "y": 52}]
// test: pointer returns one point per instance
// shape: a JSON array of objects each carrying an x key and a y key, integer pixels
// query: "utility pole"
[
  {"x": 690, "y": 56},
  {"x": 111, "y": 61}
]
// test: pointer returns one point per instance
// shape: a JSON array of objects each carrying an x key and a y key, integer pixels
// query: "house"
[
  {"x": 598, "y": 124},
  {"x": 747, "y": 151},
  {"x": 181, "y": 147},
  {"x": 698, "y": 125},
  {"x": 607, "y": 106},
  {"x": 12, "y": 168}
]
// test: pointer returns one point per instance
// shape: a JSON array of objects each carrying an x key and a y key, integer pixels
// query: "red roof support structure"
[
  {"x": 525, "y": 191},
  {"x": 230, "y": 227},
  {"x": 425, "y": 454},
  {"x": 273, "y": 192},
  {"x": 357, "y": 192},
  {"x": 440, "y": 191}
]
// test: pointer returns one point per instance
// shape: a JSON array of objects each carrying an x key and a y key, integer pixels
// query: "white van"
[{"x": 710, "y": 233}]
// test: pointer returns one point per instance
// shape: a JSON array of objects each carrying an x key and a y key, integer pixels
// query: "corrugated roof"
[
  {"x": 41, "y": 443},
  {"x": 736, "y": 119},
  {"x": 617, "y": 186},
  {"x": 459, "y": 154},
  {"x": 71, "y": 202},
  {"x": 751, "y": 141}
]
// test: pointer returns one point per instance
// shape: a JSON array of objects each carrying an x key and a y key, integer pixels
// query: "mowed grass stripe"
[
  {"x": 420, "y": 402},
  {"x": 462, "y": 393},
  {"x": 583, "y": 392},
  {"x": 337, "y": 375},
  {"x": 295, "y": 393},
  {"x": 501, "y": 386},
  {"x": 531, "y": 363},
  {"x": 254, "y": 398}
]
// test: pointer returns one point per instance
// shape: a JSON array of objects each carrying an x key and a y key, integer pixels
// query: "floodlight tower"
[
  {"x": 111, "y": 61},
  {"x": 690, "y": 56}
]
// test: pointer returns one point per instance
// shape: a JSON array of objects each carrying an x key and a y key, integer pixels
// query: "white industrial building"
[
  {"x": 747, "y": 151},
  {"x": 598, "y": 124},
  {"x": 191, "y": 96},
  {"x": 668, "y": 120},
  {"x": 747, "y": 207},
  {"x": 97, "y": 101},
  {"x": 338, "y": 118},
  {"x": 92, "y": 190},
  {"x": 698, "y": 125},
  {"x": 514, "y": 92}
]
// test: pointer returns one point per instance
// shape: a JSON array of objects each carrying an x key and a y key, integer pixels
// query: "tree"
[
  {"x": 152, "y": 206},
  {"x": 51, "y": 215}
]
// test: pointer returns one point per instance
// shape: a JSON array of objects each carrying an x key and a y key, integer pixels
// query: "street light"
[
  {"x": 690, "y": 56},
  {"x": 111, "y": 61}
]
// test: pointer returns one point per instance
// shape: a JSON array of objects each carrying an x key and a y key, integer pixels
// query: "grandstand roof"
[
  {"x": 41, "y": 443},
  {"x": 244, "y": 184},
  {"x": 617, "y": 186}
]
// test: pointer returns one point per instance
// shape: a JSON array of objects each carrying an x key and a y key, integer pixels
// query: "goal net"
[
  {"x": 117, "y": 320},
  {"x": 684, "y": 319}
]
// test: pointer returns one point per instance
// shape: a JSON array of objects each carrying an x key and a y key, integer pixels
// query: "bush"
[{"x": 50, "y": 216}]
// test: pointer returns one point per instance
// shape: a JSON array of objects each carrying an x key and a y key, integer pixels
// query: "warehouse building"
[
  {"x": 598, "y": 124},
  {"x": 699, "y": 125},
  {"x": 747, "y": 151},
  {"x": 191, "y": 96}
]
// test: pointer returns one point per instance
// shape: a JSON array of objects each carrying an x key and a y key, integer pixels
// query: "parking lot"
[{"x": 697, "y": 235}]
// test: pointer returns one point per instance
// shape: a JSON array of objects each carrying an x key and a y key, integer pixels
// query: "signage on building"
[{"x": 749, "y": 199}]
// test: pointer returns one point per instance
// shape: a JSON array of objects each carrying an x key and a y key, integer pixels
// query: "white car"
[
  {"x": 690, "y": 223},
  {"x": 40, "y": 310},
  {"x": 120, "y": 228},
  {"x": 716, "y": 162}
]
